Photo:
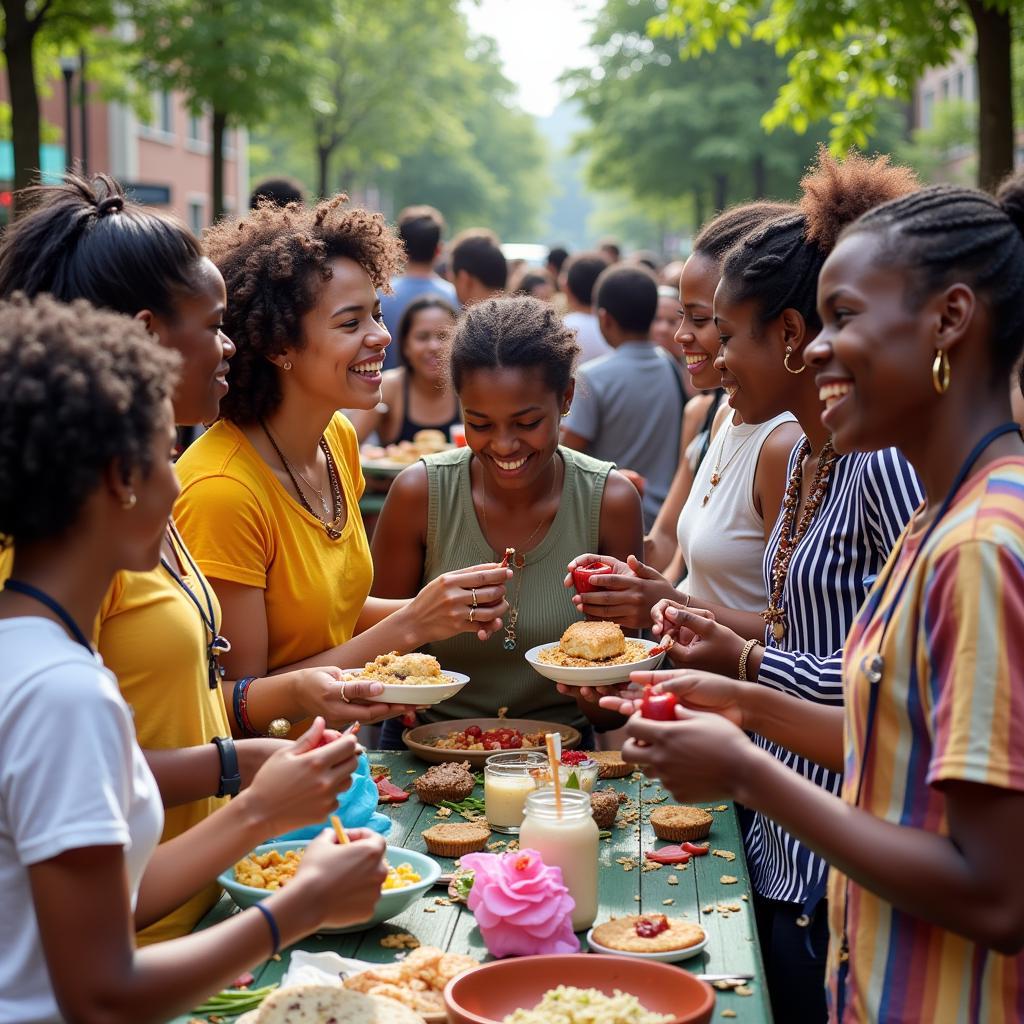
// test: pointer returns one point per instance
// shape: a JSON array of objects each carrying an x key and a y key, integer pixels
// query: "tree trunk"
[
  {"x": 760, "y": 173},
  {"x": 323, "y": 167},
  {"x": 995, "y": 93},
  {"x": 220, "y": 124},
  {"x": 720, "y": 190},
  {"x": 19, "y": 39}
]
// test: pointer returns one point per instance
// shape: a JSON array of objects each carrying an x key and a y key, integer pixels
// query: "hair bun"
[
  {"x": 837, "y": 192},
  {"x": 112, "y": 204},
  {"x": 1010, "y": 197}
]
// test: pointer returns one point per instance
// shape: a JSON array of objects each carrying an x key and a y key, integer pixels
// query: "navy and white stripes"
[{"x": 870, "y": 499}]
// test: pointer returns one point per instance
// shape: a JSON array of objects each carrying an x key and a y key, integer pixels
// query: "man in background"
[
  {"x": 578, "y": 276},
  {"x": 421, "y": 229},
  {"x": 279, "y": 191},
  {"x": 628, "y": 405},
  {"x": 478, "y": 266}
]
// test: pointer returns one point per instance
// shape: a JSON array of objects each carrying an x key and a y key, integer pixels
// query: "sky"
[{"x": 538, "y": 40}]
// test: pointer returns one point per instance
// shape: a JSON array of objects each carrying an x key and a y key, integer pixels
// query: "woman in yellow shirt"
[
  {"x": 156, "y": 629},
  {"x": 270, "y": 494}
]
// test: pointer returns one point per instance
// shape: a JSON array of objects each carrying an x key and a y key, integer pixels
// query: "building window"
[
  {"x": 927, "y": 108},
  {"x": 197, "y": 216},
  {"x": 195, "y": 127},
  {"x": 165, "y": 113},
  {"x": 960, "y": 85},
  {"x": 945, "y": 89}
]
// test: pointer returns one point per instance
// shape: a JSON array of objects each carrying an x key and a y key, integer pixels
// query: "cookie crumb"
[
  {"x": 728, "y": 1013},
  {"x": 724, "y": 854},
  {"x": 728, "y": 879},
  {"x": 743, "y": 990},
  {"x": 667, "y": 903},
  {"x": 672, "y": 880}
]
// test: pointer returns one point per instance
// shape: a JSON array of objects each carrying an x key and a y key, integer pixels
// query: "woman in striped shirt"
[
  {"x": 927, "y": 917},
  {"x": 839, "y": 521}
]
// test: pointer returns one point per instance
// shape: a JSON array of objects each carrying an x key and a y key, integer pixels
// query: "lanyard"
[
  {"x": 58, "y": 609},
  {"x": 217, "y": 644},
  {"x": 874, "y": 667}
]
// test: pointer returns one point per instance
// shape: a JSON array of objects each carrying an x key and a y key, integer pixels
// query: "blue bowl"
[{"x": 391, "y": 903}]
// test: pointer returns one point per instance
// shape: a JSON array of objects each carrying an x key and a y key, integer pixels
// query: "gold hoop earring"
[
  {"x": 940, "y": 372},
  {"x": 286, "y": 365},
  {"x": 130, "y": 502},
  {"x": 785, "y": 362}
]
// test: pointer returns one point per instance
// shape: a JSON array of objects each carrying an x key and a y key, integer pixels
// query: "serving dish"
[
  {"x": 391, "y": 903},
  {"x": 669, "y": 956},
  {"x": 597, "y": 675},
  {"x": 420, "y": 695},
  {"x": 418, "y": 739},
  {"x": 485, "y": 995}
]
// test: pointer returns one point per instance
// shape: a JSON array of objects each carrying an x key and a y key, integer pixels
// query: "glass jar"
[
  {"x": 507, "y": 781},
  {"x": 569, "y": 840},
  {"x": 573, "y": 776}
]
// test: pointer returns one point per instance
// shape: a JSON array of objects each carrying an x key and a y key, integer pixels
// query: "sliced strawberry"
[
  {"x": 668, "y": 855},
  {"x": 389, "y": 793}
]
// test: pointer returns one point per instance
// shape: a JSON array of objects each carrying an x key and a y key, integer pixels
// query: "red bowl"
[{"x": 487, "y": 993}]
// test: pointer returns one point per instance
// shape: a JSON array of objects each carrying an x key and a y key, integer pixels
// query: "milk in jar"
[
  {"x": 568, "y": 840},
  {"x": 507, "y": 782}
]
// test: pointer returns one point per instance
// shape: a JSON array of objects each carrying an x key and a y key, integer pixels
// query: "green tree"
[
  {"x": 660, "y": 127},
  {"x": 847, "y": 57},
  {"x": 30, "y": 27},
  {"x": 239, "y": 59}
]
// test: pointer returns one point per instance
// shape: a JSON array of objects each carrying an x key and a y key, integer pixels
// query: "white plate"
[
  {"x": 670, "y": 956},
  {"x": 421, "y": 696},
  {"x": 599, "y": 675}
]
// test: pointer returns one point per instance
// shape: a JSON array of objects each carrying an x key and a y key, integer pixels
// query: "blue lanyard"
[{"x": 58, "y": 609}]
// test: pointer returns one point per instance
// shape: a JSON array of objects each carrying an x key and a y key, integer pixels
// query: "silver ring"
[
  {"x": 473, "y": 592},
  {"x": 472, "y": 612}
]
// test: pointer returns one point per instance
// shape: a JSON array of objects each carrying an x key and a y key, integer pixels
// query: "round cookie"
[
  {"x": 680, "y": 824},
  {"x": 620, "y": 933}
]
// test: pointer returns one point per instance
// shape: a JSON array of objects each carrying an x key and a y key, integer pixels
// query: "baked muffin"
[
  {"x": 610, "y": 764},
  {"x": 604, "y": 806},
  {"x": 448, "y": 781},
  {"x": 456, "y": 838},
  {"x": 595, "y": 641},
  {"x": 680, "y": 824},
  {"x": 672, "y": 933}
]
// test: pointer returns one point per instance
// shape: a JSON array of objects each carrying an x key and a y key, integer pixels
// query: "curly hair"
[
  {"x": 721, "y": 233},
  {"x": 274, "y": 262},
  {"x": 777, "y": 264},
  {"x": 945, "y": 234},
  {"x": 84, "y": 239},
  {"x": 518, "y": 331},
  {"x": 84, "y": 388}
]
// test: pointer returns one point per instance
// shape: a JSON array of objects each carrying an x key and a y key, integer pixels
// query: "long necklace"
[
  {"x": 518, "y": 565},
  {"x": 332, "y": 526},
  {"x": 217, "y": 644},
  {"x": 719, "y": 470},
  {"x": 774, "y": 615}
]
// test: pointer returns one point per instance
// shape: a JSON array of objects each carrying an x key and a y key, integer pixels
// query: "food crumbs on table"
[
  {"x": 400, "y": 940},
  {"x": 734, "y": 907},
  {"x": 743, "y": 990},
  {"x": 728, "y": 1013},
  {"x": 637, "y": 898},
  {"x": 276, "y": 957},
  {"x": 745, "y": 897},
  {"x": 497, "y": 844},
  {"x": 410, "y": 771},
  {"x": 723, "y": 985},
  {"x": 650, "y": 865},
  {"x": 443, "y": 812},
  {"x": 728, "y": 879},
  {"x": 672, "y": 879},
  {"x": 667, "y": 903},
  {"x": 442, "y": 901},
  {"x": 724, "y": 854},
  {"x": 430, "y": 910},
  {"x": 708, "y": 909},
  {"x": 721, "y": 807}
]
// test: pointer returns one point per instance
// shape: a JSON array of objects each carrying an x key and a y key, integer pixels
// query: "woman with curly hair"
[
  {"x": 416, "y": 395},
  {"x": 270, "y": 494},
  {"x": 86, "y": 487},
  {"x": 513, "y": 486},
  {"x": 158, "y": 631}
]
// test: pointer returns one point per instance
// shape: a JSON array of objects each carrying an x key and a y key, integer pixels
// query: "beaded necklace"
[{"x": 774, "y": 615}]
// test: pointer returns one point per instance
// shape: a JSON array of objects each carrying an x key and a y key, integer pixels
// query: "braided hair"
[
  {"x": 945, "y": 234},
  {"x": 777, "y": 264},
  {"x": 719, "y": 235}
]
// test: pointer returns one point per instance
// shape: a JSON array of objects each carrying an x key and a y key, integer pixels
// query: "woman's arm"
[
  {"x": 770, "y": 477},
  {"x": 99, "y": 977},
  {"x": 968, "y": 882}
]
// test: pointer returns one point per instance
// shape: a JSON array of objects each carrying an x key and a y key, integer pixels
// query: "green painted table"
[{"x": 698, "y": 895}]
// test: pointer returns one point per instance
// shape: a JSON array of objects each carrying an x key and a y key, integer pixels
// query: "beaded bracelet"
[
  {"x": 275, "y": 934},
  {"x": 747, "y": 648},
  {"x": 240, "y": 702}
]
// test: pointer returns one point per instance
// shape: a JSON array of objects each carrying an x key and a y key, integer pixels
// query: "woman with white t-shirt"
[{"x": 86, "y": 485}]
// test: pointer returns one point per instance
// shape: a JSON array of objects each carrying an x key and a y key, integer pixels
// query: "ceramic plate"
[
  {"x": 421, "y": 696},
  {"x": 418, "y": 739},
  {"x": 599, "y": 675},
  {"x": 670, "y": 956}
]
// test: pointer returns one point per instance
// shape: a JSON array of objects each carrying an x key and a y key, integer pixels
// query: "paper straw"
[
  {"x": 556, "y": 778},
  {"x": 339, "y": 830}
]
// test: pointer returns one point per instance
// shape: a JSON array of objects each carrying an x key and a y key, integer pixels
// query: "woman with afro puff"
[{"x": 270, "y": 494}]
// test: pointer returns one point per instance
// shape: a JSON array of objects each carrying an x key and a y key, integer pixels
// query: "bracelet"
[
  {"x": 747, "y": 648},
  {"x": 240, "y": 703},
  {"x": 275, "y": 935},
  {"x": 230, "y": 776}
]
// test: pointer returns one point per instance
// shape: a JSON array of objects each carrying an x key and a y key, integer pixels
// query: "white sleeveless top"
[{"x": 722, "y": 541}]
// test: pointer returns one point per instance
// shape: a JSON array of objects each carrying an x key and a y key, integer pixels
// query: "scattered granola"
[
  {"x": 672, "y": 879},
  {"x": 430, "y": 910},
  {"x": 709, "y": 909},
  {"x": 443, "y": 812},
  {"x": 667, "y": 903},
  {"x": 728, "y": 1013},
  {"x": 724, "y": 854},
  {"x": 400, "y": 940},
  {"x": 721, "y": 807},
  {"x": 728, "y": 879},
  {"x": 442, "y": 901},
  {"x": 743, "y": 990}
]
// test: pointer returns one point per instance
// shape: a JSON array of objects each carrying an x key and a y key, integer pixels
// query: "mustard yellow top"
[
  {"x": 151, "y": 637},
  {"x": 241, "y": 525}
]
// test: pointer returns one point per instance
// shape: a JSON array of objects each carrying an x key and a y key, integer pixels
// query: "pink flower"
[{"x": 521, "y": 905}]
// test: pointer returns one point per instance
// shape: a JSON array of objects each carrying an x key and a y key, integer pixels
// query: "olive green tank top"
[{"x": 500, "y": 678}]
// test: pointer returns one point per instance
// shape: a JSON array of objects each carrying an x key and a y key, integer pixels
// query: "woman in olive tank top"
[{"x": 511, "y": 363}]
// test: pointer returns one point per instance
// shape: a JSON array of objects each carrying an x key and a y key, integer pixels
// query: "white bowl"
[
  {"x": 599, "y": 675},
  {"x": 670, "y": 956},
  {"x": 421, "y": 696}
]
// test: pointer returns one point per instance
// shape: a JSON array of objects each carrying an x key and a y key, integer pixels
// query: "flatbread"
[{"x": 328, "y": 1004}]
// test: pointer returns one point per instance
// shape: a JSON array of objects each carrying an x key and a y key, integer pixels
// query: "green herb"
[
  {"x": 573, "y": 782},
  {"x": 235, "y": 1000},
  {"x": 479, "y": 776},
  {"x": 471, "y": 805},
  {"x": 604, "y": 834},
  {"x": 462, "y": 883}
]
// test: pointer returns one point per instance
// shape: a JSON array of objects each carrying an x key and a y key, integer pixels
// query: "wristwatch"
[{"x": 230, "y": 777}]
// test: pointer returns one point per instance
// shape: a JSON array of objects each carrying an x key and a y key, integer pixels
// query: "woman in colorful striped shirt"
[{"x": 923, "y": 310}]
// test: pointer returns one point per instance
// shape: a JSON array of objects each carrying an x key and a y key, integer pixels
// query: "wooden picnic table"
[{"x": 698, "y": 894}]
